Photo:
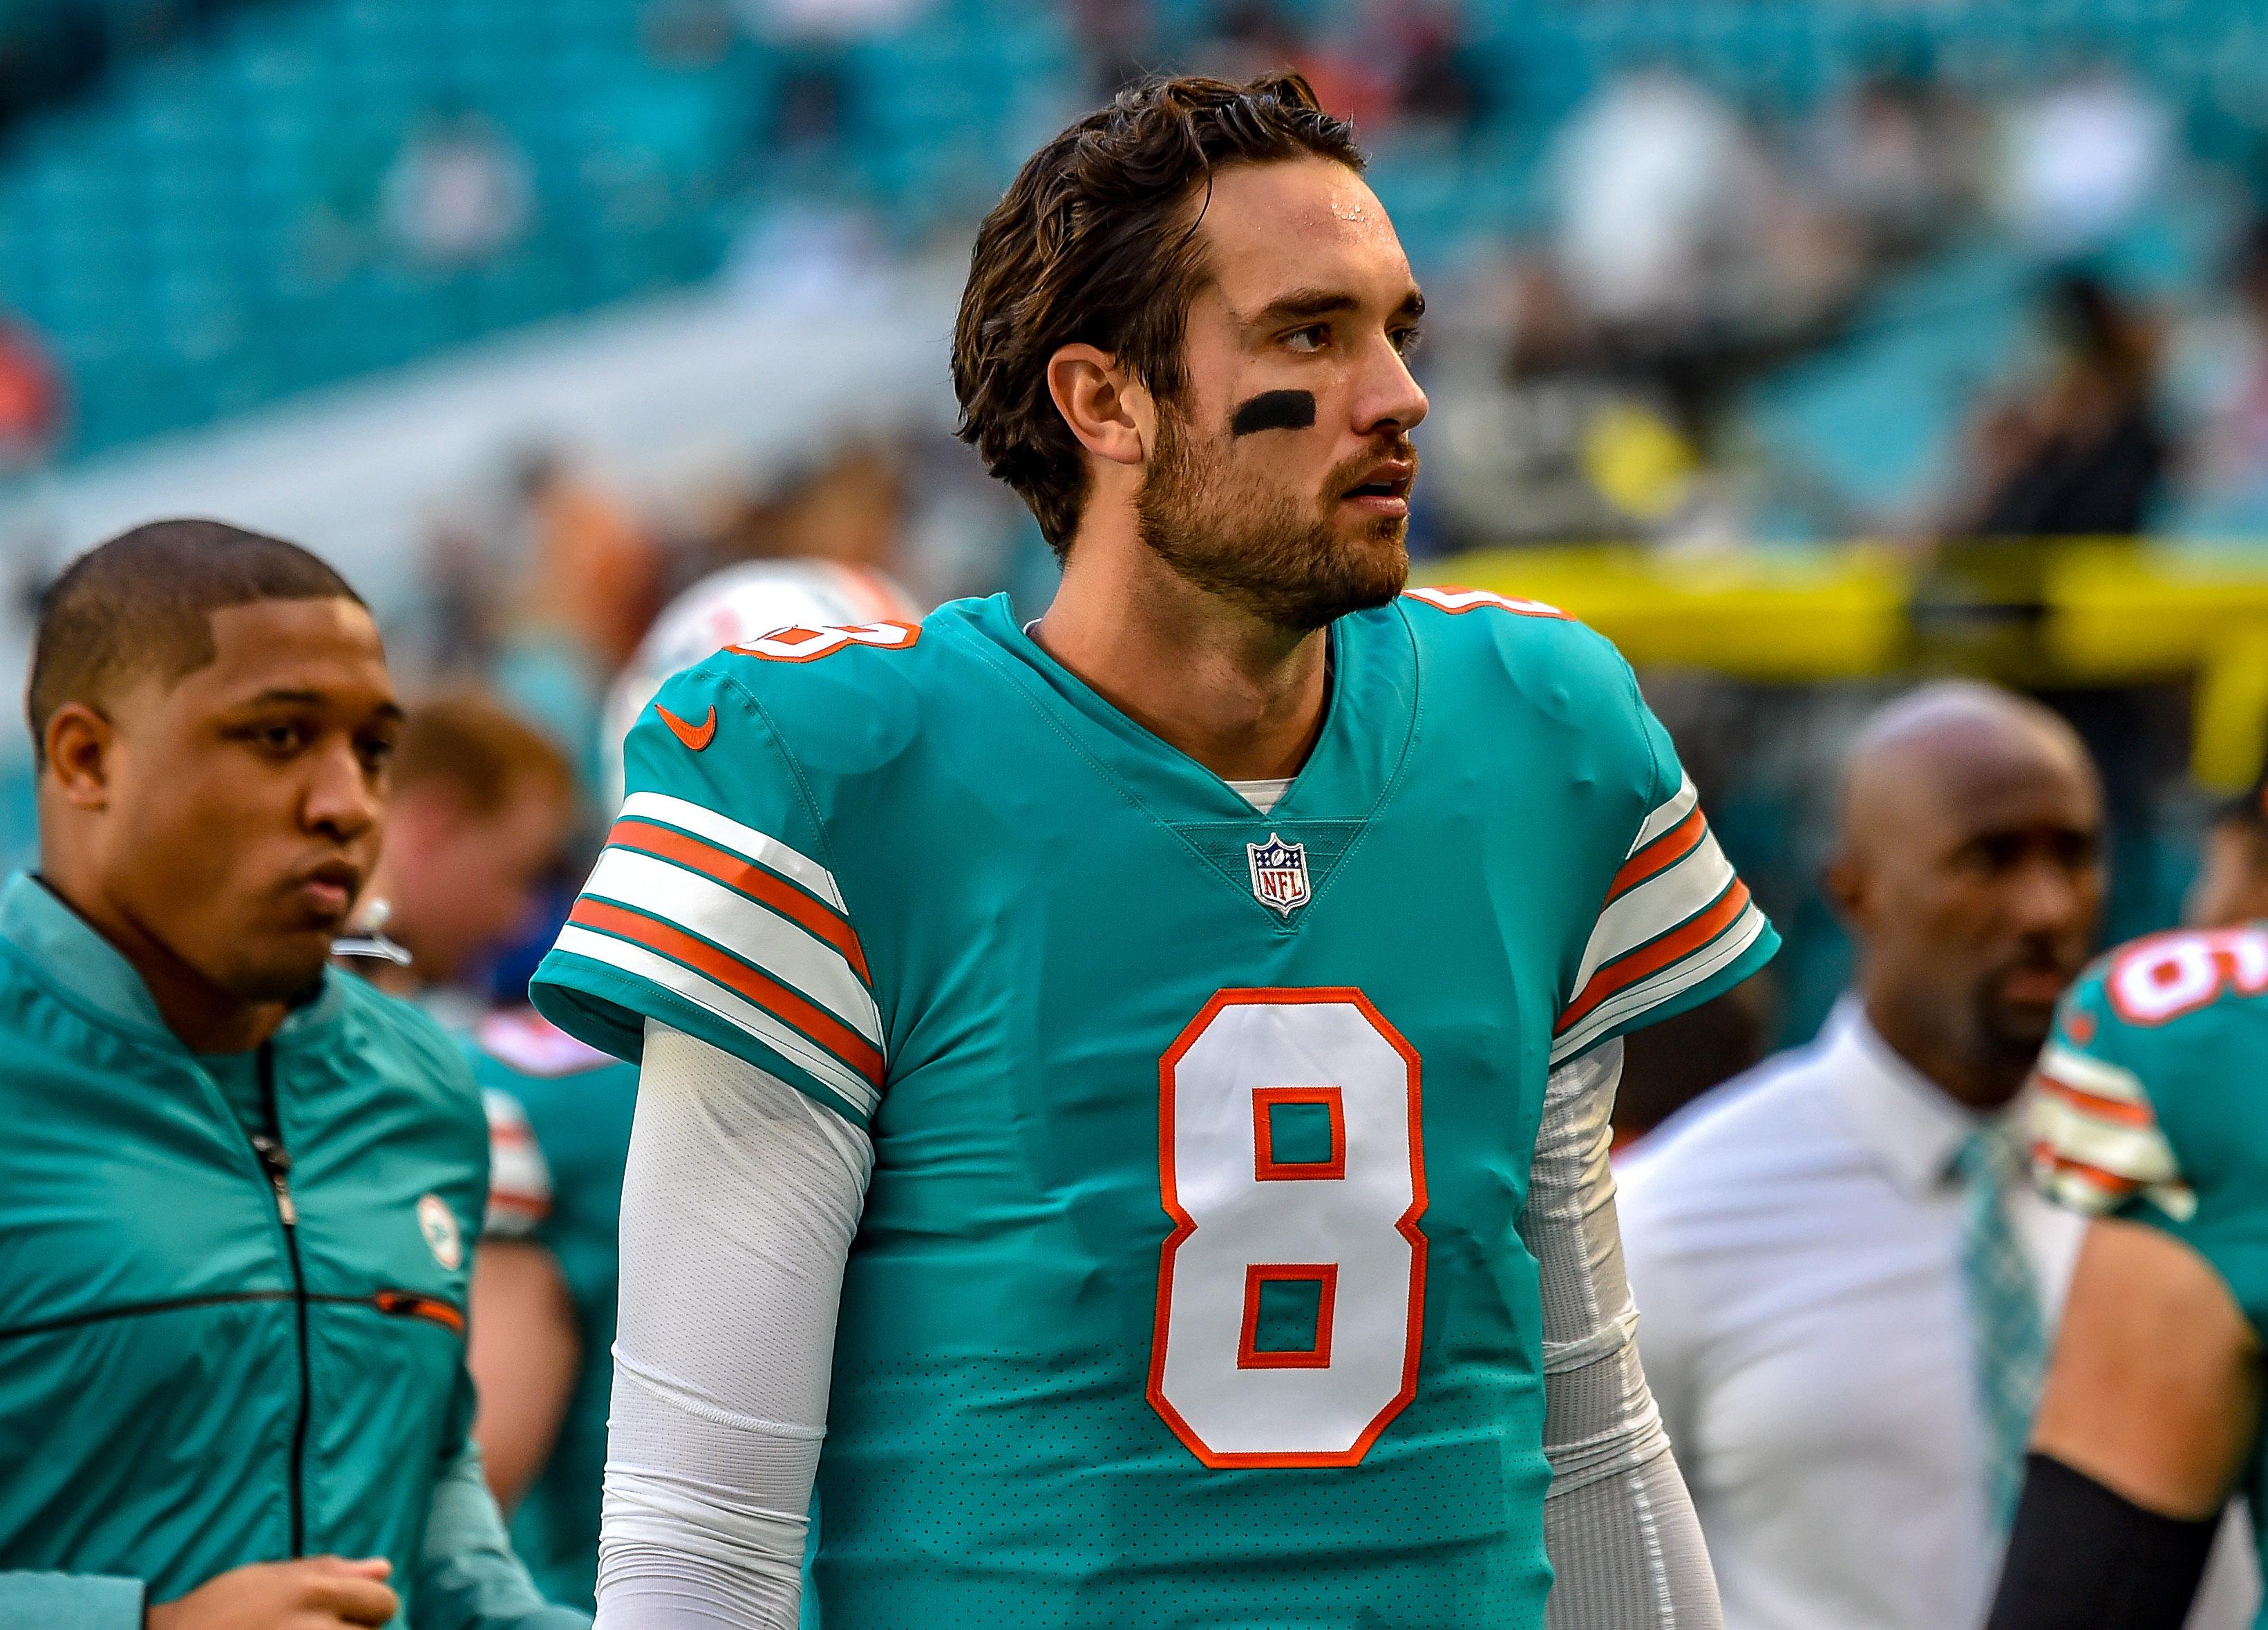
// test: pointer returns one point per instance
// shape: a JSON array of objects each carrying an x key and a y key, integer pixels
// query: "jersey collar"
[{"x": 1369, "y": 713}]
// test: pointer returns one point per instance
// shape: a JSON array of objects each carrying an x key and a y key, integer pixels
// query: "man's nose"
[
  {"x": 1388, "y": 397},
  {"x": 2047, "y": 895},
  {"x": 343, "y": 798}
]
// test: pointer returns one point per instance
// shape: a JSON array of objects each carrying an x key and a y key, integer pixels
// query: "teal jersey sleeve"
[
  {"x": 1677, "y": 926},
  {"x": 714, "y": 907},
  {"x": 2148, "y": 1101}
]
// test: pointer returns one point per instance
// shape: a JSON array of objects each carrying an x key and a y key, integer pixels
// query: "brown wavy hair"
[{"x": 1096, "y": 244}]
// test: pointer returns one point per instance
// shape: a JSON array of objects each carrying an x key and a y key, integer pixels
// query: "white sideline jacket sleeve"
[
  {"x": 1625, "y": 1546},
  {"x": 739, "y": 1206}
]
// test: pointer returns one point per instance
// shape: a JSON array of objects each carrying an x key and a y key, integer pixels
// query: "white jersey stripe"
[
  {"x": 2092, "y": 1075},
  {"x": 749, "y": 929},
  {"x": 1657, "y": 905},
  {"x": 1680, "y": 805},
  {"x": 1669, "y": 983},
  {"x": 744, "y": 840},
  {"x": 729, "y": 1006},
  {"x": 2139, "y": 1153}
]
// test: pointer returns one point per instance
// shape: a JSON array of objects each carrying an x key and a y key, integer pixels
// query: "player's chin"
[{"x": 281, "y": 964}]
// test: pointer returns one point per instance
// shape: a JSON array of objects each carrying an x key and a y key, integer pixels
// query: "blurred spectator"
[
  {"x": 463, "y": 601},
  {"x": 592, "y": 576},
  {"x": 1659, "y": 190},
  {"x": 1889, "y": 160},
  {"x": 1436, "y": 87},
  {"x": 2080, "y": 452},
  {"x": 2081, "y": 160},
  {"x": 31, "y": 400},
  {"x": 1848, "y": 1282},
  {"x": 2223, "y": 480},
  {"x": 458, "y": 192},
  {"x": 481, "y": 810}
]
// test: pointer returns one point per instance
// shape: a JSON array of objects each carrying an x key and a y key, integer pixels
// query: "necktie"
[{"x": 2007, "y": 1334}]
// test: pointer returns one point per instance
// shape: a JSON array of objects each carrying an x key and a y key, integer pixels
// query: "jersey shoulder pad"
[
  {"x": 842, "y": 701},
  {"x": 1485, "y": 641},
  {"x": 2150, "y": 1030}
]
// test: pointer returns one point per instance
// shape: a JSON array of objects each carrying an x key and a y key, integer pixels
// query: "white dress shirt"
[{"x": 1794, "y": 1243}]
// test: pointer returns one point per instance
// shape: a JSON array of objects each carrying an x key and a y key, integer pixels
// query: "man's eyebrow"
[
  {"x": 1310, "y": 303},
  {"x": 286, "y": 696},
  {"x": 1301, "y": 303}
]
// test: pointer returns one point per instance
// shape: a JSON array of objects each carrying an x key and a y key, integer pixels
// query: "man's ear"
[
  {"x": 81, "y": 744},
  {"x": 1109, "y": 411}
]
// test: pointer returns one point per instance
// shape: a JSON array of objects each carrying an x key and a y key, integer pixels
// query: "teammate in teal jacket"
[{"x": 237, "y": 1193}]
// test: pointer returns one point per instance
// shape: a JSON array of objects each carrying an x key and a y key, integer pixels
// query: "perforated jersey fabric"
[
  {"x": 1618, "y": 1524},
  {"x": 739, "y": 1206}
]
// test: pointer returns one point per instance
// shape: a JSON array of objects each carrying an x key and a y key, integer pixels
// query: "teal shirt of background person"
[
  {"x": 193, "y": 1377},
  {"x": 562, "y": 1190}
]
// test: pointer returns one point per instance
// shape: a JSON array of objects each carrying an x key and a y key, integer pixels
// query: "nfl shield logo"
[{"x": 1279, "y": 873}]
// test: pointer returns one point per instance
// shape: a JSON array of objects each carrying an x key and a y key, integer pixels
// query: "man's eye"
[
  {"x": 1407, "y": 339},
  {"x": 279, "y": 737},
  {"x": 376, "y": 755},
  {"x": 1311, "y": 339}
]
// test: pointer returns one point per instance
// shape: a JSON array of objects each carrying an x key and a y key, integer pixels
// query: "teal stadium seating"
[{"x": 194, "y": 232}]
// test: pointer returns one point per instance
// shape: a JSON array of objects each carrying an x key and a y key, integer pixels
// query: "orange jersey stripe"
[
  {"x": 736, "y": 872},
  {"x": 2125, "y": 1113},
  {"x": 1661, "y": 854},
  {"x": 736, "y": 976},
  {"x": 2109, "y": 1182},
  {"x": 1657, "y": 954}
]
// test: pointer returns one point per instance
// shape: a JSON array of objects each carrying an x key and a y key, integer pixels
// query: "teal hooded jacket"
[{"x": 233, "y": 1334}]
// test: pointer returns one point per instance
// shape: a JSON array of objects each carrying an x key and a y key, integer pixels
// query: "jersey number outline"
[
  {"x": 2164, "y": 978},
  {"x": 1246, "y": 1215},
  {"x": 809, "y": 642}
]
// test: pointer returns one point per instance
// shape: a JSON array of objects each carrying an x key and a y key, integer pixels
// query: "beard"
[{"x": 1258, "y": 548}]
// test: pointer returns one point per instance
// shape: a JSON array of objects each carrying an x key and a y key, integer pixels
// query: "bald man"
[{"x": 1846, "y": 1283}]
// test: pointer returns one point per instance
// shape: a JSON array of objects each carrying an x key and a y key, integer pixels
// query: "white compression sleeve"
[
  {"x": 1618, "y": 1524},
  {"x": 739, "y": 1207}
]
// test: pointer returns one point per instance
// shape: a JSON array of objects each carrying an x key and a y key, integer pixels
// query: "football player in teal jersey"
[
  {"x": 2151, "y": 1118},
  {"x": 1123, "y": 1102}
]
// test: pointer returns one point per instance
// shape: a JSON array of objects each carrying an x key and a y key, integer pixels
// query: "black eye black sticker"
[{"x": 1274, "y": 410}]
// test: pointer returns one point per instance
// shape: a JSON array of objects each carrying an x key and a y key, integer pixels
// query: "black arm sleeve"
[{"x": 2082, "y": 1558}]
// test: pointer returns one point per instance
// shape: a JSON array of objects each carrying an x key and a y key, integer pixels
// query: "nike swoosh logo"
[{"x": 694, "y": 735}]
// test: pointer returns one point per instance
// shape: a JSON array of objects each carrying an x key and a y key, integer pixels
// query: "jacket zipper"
[{"x": 276, "y": 1161}]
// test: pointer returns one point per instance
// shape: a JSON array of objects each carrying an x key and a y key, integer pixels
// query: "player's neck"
[
  {"x": 203, "y": 1017},
  {"x": 1242, "y": 697}
]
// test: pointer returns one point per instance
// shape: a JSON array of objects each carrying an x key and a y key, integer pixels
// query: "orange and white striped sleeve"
[
  {"x": 2096, "y": 1140},
  {"x": 1677, "y": 928}
]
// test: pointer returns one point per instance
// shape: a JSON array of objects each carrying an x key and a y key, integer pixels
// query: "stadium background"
[{"x": 1803, "y": 347}]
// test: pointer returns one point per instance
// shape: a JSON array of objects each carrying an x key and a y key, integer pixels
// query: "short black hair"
[{"x": 143, "y": 604}]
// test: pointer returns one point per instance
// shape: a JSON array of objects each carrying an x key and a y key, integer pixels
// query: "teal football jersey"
[
  {"x": 2149, "y": 1106},
  {"x": 1189, "y": 1290},
  {"x": 559, "y": 1133}
]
